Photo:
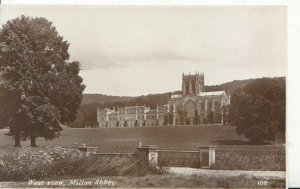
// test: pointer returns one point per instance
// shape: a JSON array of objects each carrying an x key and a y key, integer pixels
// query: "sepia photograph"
[{"x": 98, "y": 96}]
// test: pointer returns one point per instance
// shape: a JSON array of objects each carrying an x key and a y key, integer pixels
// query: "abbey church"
[{"x": 193, "y": 106}]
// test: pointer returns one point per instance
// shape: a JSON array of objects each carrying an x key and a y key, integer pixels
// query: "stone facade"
[
  {"x": 193, "y": 107},
  {"x": 133, "y": 116}
]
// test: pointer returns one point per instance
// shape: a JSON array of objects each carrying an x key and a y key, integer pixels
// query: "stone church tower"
[
  {"x": 197, "y": 107},
  {"x": 193, "y": 84}
]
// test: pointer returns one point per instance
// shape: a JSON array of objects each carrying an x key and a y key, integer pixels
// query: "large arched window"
[
  {"x": 190, "y": 109},
  {"x": 202, "y": 105},
  {"x": 217, "y": 106},
  {"x": 209, "y": 105}
]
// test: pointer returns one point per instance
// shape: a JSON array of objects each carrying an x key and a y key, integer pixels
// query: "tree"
[
  {"x": 258, "y": 110},
  {"x": 86, "y": 116},
  {"x": 42, "y": 89}
]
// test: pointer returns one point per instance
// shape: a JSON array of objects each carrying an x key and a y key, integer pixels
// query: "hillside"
[
  {"x": 100, "y": 98},
  {"x": 229, "y": 85}
]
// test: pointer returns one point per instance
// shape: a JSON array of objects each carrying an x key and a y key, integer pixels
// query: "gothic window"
[
  {"x": 209, "y": 105},
  {"x": 186, "y": 87},
  {"x": 202, "y": 106},
  {"x": 193, "y": 88},
  {"x": 217, "y": 106},
  {"x": 190, "y": 109}
]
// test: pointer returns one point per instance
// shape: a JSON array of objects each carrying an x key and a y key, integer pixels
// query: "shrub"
[
  {"x": 22, "y": 165},
  {"x": 66, "y": 162}
]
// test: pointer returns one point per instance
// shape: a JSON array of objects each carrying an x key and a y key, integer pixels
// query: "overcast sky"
[{"x": 131, "y": 51}]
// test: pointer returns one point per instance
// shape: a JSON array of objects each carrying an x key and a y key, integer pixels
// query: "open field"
[{"x": 180, "y": 137}]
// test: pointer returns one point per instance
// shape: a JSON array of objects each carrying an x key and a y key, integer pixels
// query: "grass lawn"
[{"x": 117, "y": 139}]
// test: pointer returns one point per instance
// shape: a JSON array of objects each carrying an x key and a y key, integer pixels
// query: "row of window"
[
  {"x": 132, "y": 118},
  {"x": 162, "y": 110},
  {"x": 130, "y": 125}
]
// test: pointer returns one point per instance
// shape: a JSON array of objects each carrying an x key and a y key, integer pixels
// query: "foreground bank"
[{"x": 168, "y": 180}]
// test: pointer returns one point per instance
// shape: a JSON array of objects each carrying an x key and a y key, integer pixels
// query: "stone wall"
[{"x": 250, "y": 159}]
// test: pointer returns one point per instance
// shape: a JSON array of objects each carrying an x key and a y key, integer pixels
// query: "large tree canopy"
[
  {"x": 258, "y": 110},
  {"x": 39, "y": 87}
]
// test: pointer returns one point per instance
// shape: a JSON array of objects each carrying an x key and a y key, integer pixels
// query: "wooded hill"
[
  {"x": 87, "y": 111},
  {"x": 162, "y": 97}
]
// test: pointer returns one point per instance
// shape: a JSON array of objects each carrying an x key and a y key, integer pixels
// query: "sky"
[{"x": 140, "y": 50}]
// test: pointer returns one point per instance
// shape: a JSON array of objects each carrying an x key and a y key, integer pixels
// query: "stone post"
[
  {"x": 88, "y": 150},
  {"x": 207, "y": 156},
  {"x": 150, "y": 152}
]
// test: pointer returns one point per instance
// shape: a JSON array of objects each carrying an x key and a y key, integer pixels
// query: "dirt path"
[{"x": 227, "y": 173}]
